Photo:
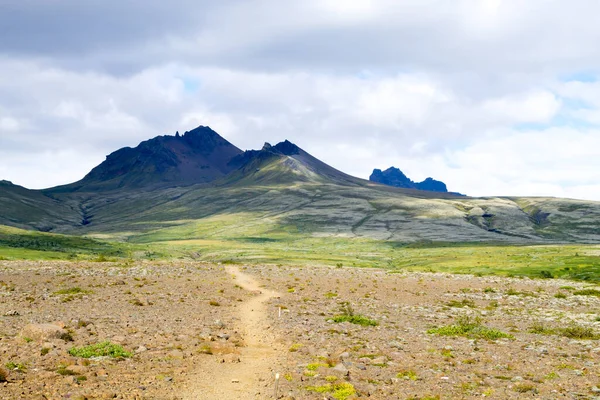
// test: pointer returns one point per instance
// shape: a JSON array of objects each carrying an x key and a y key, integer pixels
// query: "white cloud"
[
  {"x": 437, "y": 88},
  {"x": 538, "y": 106}
]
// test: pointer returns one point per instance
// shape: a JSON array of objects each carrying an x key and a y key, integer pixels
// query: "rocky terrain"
[{"x": 190, "y": 330}]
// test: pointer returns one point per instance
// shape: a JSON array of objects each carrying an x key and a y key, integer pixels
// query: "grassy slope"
[
  {"x": 282, "y": 211},
  {"x": 23, "y": 244},
  {"x": 31, "y": 209}
]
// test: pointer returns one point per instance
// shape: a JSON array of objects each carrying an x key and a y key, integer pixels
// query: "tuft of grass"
[
  {"x": 408, "y": 375},
  {"x": 295, "y": 347},
  {"x": 355, "y": 319},
  {"x": 315, "y": 366},
  {"x": 560, "y": 295},
  {"x": 348, "y": 315},
  {"x": 205, "y": 349},
  {"x": 472, "y": 328},
  {"x": 461, "y": 304},
  {"x": 541, "y": 329},
  {"x": 339, "y": 391},
  {"x": 13, "y": 366},
  {"x": 587, "y": 292},
  {"x": 73, "y": 290},
  {"x": 572, "y": 331},
  {"x": 524, "y": 388},
  {"x": 62, "y": 370},
  {"x": 102, "y": 349},
  {"x": 579, "y": 332},
  {"x": 214, "y": 303}
]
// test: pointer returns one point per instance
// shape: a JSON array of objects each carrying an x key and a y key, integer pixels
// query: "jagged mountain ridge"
[
  {"x": 395, "y": 177},
  {"x": 198, "y": 156},
  {"x": 281, "y": 190}
]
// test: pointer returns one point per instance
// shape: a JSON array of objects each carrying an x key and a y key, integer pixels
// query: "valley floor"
[{"x": 199, "y": 331}]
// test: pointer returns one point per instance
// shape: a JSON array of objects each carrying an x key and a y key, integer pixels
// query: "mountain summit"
[
  {"x": 394, "y": 177},
  {"x": 198, "y": 156}
]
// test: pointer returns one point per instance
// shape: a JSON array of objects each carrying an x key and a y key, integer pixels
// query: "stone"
[
  {"x": 340, "y": 368},
  {"x": 42, "y": 332},
  {"x": 140, "y": 349}
]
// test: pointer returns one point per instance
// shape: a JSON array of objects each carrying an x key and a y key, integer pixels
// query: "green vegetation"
[
  {"x": 295, "y": 347},
  {"x": 339, "y": 391},
  {"x": 348, "y": 315},
  {"x": 588, "y": 292},
  {"x": 572, "y": 331},
  {"x": 19, "y": 367},
  {"x": 290, "y": 246},
  {"x": 62, "y": 370},
  {"x": 461, "y": 303},
  {"x": 408, "y": 375},
  {"x": 102, "y": 349},
  {"x": 355, "y": 319},
  {"x": 525, "y": 388},
  {"x": 315, "y": 366},
  {"x": 471, "y": 328},
  {"x": 70, "y": 291},
  {"x": 21, "y": 244}
]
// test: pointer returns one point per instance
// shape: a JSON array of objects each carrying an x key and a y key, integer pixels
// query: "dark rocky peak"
[
  {"x": 394, "y": 177},
  {"x": 203, "y": 139},
  {"x": 287, "y": 148},
  {"x": 6, "y": 183},
  {"x": 391, "y": 176},
  {"x": 197, "y": 156},
  {"x": 432, "y": 185}
]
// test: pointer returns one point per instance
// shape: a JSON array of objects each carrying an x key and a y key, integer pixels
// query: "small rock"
[
  {"x": 140, "y": 349},
  {"x": 341, "y": 368},
  {"x": 219, "y": 324},
  {"x": 43, "y": 332},
  {"x": 12, "y": 313},
  {"x": 235, "y": 381}
]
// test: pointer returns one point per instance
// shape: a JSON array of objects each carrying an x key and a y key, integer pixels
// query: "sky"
[{"x": 493, "y": 97}]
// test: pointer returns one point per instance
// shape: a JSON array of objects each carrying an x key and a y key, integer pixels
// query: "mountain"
[
  {"x": 394, "y": 177},
  {"x": 285, "y": 163},
  {"x": 31, "y": 209},
  {"x": 198, "y": 186},
  {"x": 197, "y": 156}
]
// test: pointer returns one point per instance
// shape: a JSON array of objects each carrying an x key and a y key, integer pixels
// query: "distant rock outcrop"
[{"x": 394, "y": 177}]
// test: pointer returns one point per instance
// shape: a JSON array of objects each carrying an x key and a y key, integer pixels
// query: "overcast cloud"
[{"x": 494, "y": 97}]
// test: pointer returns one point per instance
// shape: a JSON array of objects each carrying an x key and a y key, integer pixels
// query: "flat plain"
[{"x": 188, "y": 330}]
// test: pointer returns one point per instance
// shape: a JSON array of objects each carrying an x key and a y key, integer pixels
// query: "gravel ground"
[{"x": 178, "y": 318}]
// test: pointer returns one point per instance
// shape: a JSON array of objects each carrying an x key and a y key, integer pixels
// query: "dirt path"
[{"x": 253, "y": 377}]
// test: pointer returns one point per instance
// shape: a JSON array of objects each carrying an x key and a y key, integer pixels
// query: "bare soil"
[{"x": 200, "y": 331}]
